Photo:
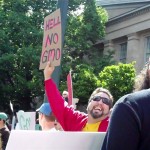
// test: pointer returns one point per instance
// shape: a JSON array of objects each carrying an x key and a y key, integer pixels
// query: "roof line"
[
  {"x": 98, "y": 2},
  {"x": 128, "y": 14}
]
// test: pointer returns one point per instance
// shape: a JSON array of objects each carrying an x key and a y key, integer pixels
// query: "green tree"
[
  {"x": 119, "y": 79},
  {"x": 21, "y": 37},
  {"x": 84, "y": 82},
  {"x": 83, "y": 31}
]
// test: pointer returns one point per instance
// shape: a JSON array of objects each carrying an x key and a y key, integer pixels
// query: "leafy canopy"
[{"x": 119, "y": 79}]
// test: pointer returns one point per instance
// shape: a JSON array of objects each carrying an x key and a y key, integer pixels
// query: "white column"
[{"x": 133, "y": 50}]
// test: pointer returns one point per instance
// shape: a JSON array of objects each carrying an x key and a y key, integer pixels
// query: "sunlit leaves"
[{"x": 119, "y": 79}]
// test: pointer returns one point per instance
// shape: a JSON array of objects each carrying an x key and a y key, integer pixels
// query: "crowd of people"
[
  {"x": 127, "y": 128},
  {"x": 98, "y": 108}
]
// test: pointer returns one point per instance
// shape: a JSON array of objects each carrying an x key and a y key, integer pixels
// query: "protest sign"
[
  {"x": 44, "y": 140},
  {"x": 26, "y": 120},
  {"x": 52, "y": 40}
]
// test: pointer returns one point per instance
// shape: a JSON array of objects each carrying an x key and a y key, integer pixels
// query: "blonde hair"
[{"x": 142, "y": 81}]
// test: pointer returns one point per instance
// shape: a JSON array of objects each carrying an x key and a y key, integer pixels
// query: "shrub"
[
  {"x": 119, "y": 79},
  {"x": 84, "y": 82}
]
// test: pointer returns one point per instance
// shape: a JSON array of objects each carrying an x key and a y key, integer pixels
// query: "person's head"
[
  {"x": 3, "y": 118},
  {"x": 142, "y": 81},
  {"x": 65, "y": 94},
  {"x": 46, "y": 116},
  {"x": 99, "y": 104}
]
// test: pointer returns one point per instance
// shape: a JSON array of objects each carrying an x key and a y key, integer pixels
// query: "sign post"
[{"x": 63, "y": 5}]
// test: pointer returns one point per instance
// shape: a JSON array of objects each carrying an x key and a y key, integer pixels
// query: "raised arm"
[{"x": 62, "y": 111}]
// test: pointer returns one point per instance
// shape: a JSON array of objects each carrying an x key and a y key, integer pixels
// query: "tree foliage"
[
  {"x": 83, "y": 31},
  {"x": 84, "y": 81},
  {"x": 119, "y": 79},
  {"x": 21, "y": 37}
]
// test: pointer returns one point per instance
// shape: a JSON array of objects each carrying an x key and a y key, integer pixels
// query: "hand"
[{"x": 48, "y": 71}]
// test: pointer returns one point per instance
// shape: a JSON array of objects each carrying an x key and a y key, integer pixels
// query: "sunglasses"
[{"x": 104, "y": 100}]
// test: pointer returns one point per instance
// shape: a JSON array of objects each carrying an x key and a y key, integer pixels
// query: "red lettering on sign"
[
  {"x": 53, "y": 38},
  {"x": 51, "y": 23},
  {"x": 48, "y": 40},
  {"x": 58, "y": 54},
  {"x": 44, "y": 56},
  {"x": 51, "y": 55}
]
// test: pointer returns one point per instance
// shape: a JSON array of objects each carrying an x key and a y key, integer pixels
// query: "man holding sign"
[{"x": 98, "y": 108}]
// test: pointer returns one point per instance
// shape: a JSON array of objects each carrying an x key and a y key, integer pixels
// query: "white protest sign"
[
  {"x": 26, "y": 120},
  {"x": 45, "y": 140}
]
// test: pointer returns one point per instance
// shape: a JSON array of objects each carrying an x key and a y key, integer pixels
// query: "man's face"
[{"x": 98, "y": 109}]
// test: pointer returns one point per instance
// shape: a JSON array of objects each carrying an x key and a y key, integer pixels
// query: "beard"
[{"x": 95, "y": 114}]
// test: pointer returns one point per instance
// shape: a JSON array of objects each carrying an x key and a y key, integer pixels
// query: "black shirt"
[
  {"x": 4, "y": 137},
  {"x": 129, "y": 126}
]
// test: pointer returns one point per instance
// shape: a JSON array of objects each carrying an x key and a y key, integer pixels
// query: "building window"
[
  {"x": 123, "y": 52},
  {"x": 147, "y": 54}
]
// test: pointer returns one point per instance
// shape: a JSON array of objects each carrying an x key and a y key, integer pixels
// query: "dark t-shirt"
[
  {"x": 129, "y": 126},
  {"x": 4, "y": 137}
]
